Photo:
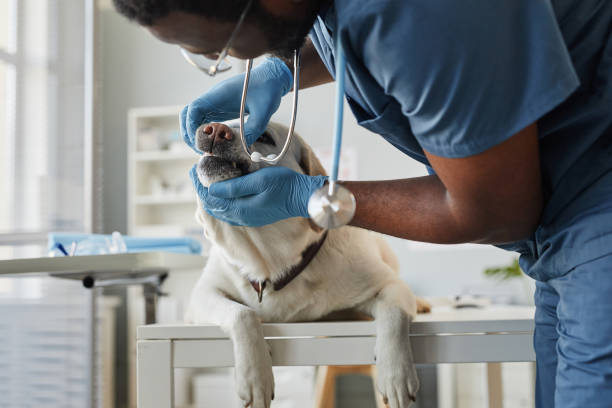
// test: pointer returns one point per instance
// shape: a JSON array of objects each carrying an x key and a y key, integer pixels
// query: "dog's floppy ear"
[{"x": 310, "y": 163}]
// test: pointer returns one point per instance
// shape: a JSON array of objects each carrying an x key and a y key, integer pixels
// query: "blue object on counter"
[{"x": 98, "y": 243}]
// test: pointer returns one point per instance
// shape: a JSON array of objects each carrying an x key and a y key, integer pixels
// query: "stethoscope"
[{"x": 331, "y": 206}]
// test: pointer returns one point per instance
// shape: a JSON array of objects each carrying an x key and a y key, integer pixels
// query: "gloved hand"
[
  {"x": 263, "y": 197},
  {"x": 269, "y": 82}
]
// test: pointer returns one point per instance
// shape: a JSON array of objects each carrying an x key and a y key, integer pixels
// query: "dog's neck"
[
  {"x": 261, "y": 253},
  {"x": 291, "y": 272}
]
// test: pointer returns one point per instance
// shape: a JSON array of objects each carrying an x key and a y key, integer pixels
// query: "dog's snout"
[{"x": 213, "y": 134}]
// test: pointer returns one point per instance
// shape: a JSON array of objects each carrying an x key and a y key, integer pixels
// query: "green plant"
[{"x": 505, "y": 272}]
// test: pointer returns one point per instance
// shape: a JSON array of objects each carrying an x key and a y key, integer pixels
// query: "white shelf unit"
[{"x": 161, "y": 200}]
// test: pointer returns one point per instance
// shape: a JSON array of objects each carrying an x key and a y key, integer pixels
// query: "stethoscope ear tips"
[{"x": 271, "y": 158}]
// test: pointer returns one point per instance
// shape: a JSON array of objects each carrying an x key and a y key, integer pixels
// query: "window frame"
[{"x": 13, "y": 56}]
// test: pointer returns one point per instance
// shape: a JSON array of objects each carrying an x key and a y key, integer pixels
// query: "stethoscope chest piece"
[{"x": 331, "y": 206}]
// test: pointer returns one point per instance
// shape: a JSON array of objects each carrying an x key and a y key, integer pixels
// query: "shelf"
[
  {"x": 169, "y": 230},
  {"x": 161, "y": 200},
  {"x": 188, "y": 228},
  {"x": 164, "y": 155},
  {"x": 152, "y": 209},
  {"x": 171, "y": 112}
]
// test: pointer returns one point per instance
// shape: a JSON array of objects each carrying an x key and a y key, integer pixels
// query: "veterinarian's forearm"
[
  {"x": 420, "y": 209},
  {"x": 312, "y": 70}
]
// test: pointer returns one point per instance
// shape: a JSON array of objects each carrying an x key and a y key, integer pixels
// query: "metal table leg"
[{"x": 151, "y": 288}]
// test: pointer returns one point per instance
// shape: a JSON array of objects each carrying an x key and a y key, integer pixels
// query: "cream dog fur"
[{"x": 354, "y": 269}]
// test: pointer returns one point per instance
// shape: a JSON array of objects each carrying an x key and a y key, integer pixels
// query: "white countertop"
[{"x": 107, "y": 266}]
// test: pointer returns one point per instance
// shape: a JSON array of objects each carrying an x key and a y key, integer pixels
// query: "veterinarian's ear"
[{"x": 309, "y": 162}]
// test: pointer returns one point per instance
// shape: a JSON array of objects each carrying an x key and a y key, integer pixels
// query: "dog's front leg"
[
  {"x": 253, "y": 364},
  {"x": 394, "y": 308}
]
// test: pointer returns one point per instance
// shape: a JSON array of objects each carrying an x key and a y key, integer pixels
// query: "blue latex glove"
[
  {"x": 263, "y": 197},
  {"x": 269, "y": 82}
]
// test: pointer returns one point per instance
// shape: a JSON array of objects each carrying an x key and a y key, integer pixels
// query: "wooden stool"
[{"x": 325, "y": 387}]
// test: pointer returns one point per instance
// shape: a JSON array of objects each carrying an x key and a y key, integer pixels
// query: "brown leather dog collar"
[{"x": 307, "y": 256}]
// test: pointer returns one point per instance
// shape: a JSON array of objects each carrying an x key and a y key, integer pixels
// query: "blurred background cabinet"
[{"x": 161, "y": 200}]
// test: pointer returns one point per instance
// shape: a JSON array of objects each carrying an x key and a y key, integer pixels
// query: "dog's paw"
[
  {"x": 253, "y": 374},
  {"x": 423, "y": 306},
  {"x": 396, "y": 375}
]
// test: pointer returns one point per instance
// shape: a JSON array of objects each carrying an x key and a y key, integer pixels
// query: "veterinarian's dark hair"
[{"x": 147, "y": 12}]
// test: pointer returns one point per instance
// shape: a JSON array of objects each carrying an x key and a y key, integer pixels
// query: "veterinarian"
[{"x": 509, "y": 105}]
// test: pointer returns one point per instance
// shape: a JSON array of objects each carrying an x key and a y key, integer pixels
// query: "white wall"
[{"x": 138, "y": 70}]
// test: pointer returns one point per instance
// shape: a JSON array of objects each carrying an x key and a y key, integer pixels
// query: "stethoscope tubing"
[
  {"x": 332, "y": 206},
  {"x": 339, "y": 118},
  {"x": 296, "y": 87}
]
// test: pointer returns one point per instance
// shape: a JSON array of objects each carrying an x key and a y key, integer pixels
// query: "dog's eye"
[{"x": 265, "y": 138}]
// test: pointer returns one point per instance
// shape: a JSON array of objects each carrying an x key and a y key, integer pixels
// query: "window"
[
  {"x": 45, "y": 322},
  {"x": 7, "y": 110},
  {"x": 42, "y": 122}
]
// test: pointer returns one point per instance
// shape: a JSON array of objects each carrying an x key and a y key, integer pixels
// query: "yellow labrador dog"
[{"x": 293, "y": 271}]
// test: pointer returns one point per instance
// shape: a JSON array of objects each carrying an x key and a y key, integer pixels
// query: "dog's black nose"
[
  {"x": 212, "y": 134},
  {"x": 219, "y": 132}
]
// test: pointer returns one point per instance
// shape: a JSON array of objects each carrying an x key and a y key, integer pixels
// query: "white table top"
[
  {"x": 77, "y": 267},
  {"x": 442, "y": 320}
]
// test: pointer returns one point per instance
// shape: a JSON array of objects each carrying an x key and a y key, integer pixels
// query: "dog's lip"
[
  {"x": 237, "y": 164},
  {"x": 232, "y": 162}
]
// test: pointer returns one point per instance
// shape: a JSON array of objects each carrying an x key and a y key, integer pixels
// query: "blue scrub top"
[{"x": 458, "y": 77}]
